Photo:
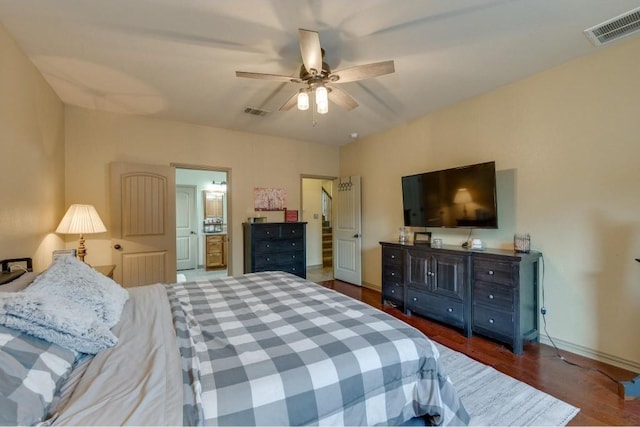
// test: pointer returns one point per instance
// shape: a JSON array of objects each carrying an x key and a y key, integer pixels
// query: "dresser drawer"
[
  {"x": 277, "y": 245},
  {"x": 440, "y": 308},
  {"x": 493, "y": 271},
  {"x": 278, "y": 259},
  {"x": 493, "y": 322},
  {"x": 392, "y": 256},
  {"x": 392, "y": 274},
  {"x": 291, "y": 230},
  {"x": 494, "y": 296},
  {"x": 393, "y": 291},
  {"x": 270, "y": 231}
]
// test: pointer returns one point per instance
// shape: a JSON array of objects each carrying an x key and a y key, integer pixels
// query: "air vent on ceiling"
[
  {"x": 255, "y": 111},
  {"x": 615, "y": 28}
]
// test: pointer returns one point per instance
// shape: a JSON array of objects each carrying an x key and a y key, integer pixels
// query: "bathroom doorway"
[{"x": 202, "y": 223}]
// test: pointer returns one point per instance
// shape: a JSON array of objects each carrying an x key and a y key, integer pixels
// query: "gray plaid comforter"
[{"x": 273, "y": 349}]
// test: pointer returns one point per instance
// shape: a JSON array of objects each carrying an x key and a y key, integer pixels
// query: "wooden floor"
[{"x": 539, "y": 366}]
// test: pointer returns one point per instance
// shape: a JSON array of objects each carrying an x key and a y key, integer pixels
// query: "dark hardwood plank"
[{"x": 539, "y": 366}]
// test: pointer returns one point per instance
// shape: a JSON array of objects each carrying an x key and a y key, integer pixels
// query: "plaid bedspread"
[{"x": 273, "y": 349}]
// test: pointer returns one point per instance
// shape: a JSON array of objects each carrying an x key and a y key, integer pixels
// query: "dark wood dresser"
[
  {"x": 489, "y": 292},
  {"x": 275, "y": 246}
]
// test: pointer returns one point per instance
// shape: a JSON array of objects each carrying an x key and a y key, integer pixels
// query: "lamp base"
[{"x": 82, "y": 251}]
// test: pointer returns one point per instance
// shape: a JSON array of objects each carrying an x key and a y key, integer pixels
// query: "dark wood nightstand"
[{"x": 107, "y": 270}]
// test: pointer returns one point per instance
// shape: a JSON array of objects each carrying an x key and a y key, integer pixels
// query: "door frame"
[{"x": 229, "y": 193}]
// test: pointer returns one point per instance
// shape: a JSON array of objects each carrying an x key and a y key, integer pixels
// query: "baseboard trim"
[{"x": 593, "y": 354}]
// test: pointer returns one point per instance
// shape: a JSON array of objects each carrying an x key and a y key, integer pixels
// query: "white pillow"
[{"x": 73, "y": 279}]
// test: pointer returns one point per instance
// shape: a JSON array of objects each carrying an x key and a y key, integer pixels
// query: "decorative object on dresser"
[
  {"x": 81, "y": 219},
  {"x": 422, "y": 237},
  {"x": 215, "y": 251},
  {"x": 274, "y": 246},
  {"x": 492, "y": 293}
]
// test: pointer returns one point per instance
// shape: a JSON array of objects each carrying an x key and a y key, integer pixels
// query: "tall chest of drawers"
[{"x": 275, "y": 246}]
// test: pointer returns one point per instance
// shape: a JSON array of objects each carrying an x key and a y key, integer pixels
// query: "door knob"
[
  {"x": 355, "y": 236},
  {"x": 193, "y": 232},
  {"x": 117, "y": 247}
]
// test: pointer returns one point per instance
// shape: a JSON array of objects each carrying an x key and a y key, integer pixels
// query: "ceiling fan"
[{"x": 318, "y": 78}]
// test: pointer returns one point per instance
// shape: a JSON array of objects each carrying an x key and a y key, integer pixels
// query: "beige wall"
[
  {"x": 567, "y": 149},
  {"x": 94, "y": 139},
  {"x": 31, "y": 159}
]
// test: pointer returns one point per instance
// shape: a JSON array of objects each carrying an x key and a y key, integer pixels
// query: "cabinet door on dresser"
[
  {"x": 275, "y": 247},
  {"x": 393, "y": 275},
  {"x": 436, "y": 286}
]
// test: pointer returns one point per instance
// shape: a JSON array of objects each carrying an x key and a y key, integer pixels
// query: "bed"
[{"x": 259, "y": 349}]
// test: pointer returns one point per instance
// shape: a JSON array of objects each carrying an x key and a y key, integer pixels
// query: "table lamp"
[{"x": 81, "y": 219}]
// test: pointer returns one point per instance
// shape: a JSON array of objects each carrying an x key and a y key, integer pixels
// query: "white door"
[
  {"x": 347, "y": 223},
  {"x": 186, "y": 228},
  {"x": 143, "y": 223}
]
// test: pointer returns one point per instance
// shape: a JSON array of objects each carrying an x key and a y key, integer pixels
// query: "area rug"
[{"x": 495, "y": 399}]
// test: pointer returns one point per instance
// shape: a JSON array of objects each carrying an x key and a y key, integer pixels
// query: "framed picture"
[
  {"x": 290, "y": 216},
  {"x": 422, "y": 237}
]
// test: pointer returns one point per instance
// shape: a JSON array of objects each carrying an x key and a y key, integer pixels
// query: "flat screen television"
[{"x": 458, "y": 197}]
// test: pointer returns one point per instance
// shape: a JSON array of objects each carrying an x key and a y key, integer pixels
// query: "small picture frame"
[
  {"x": 290, "y": 215},
  {"x": 420, "y": 237}
]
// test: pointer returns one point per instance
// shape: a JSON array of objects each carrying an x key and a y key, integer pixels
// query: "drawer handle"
[
  {"x": 293, "y": 244},
  {"x": 393, "y": 273},
  {"x": 393, "y": 291},
  {"x": 450, "y": 310},
  {"x": 268, "y": 245},
  {"x": 293, "y": 257},
  {"x": 293, "y": 231},
  {"x": 268, "y": 259},
  {"x": 268, "y": 232},
  {"x": 393, "y": 257},
  {"x": 490, "y": 272},
  {"x": 491, "y": 321},
  {"x": 415, "y": 299},
  {"x": 490, "y": 296}
]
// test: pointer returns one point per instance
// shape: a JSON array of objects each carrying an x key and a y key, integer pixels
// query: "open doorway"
[
  {"x": 202, "y": 223},
  {"x": 317, "y": 205}
]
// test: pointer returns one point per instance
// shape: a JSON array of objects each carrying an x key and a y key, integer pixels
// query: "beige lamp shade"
[{"x": 81, "y": 219}]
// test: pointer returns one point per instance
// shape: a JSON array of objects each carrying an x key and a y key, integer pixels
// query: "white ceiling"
[{"x": 176, "y": 59}]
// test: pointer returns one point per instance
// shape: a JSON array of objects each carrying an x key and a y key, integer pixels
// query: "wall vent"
[
  {"x": 255, "y": 111},
  {"x": 615, "y": 28}
]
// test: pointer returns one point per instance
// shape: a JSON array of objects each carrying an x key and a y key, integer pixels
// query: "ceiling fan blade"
[
  {"x": 310, "y": 50},
  {"x": 342, "y": 98},
  {"x": 361, "y": 72},
  {"x": 263, "y": 76},
  {"x": 290, "y": 102}
]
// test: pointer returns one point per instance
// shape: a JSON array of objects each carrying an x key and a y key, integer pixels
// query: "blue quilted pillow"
[{"x": 31, "y": 370}]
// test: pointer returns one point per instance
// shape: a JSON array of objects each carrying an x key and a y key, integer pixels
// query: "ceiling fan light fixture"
[
  {"x": 303, "y": 100},
  {"x": 322, "y": 100}
]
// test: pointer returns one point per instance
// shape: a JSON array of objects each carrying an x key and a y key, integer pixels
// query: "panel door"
[
  {"x": 186, "y": 228},
  {"x": 347, "y": 220},
  {"x": 143, "y": 223}
]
